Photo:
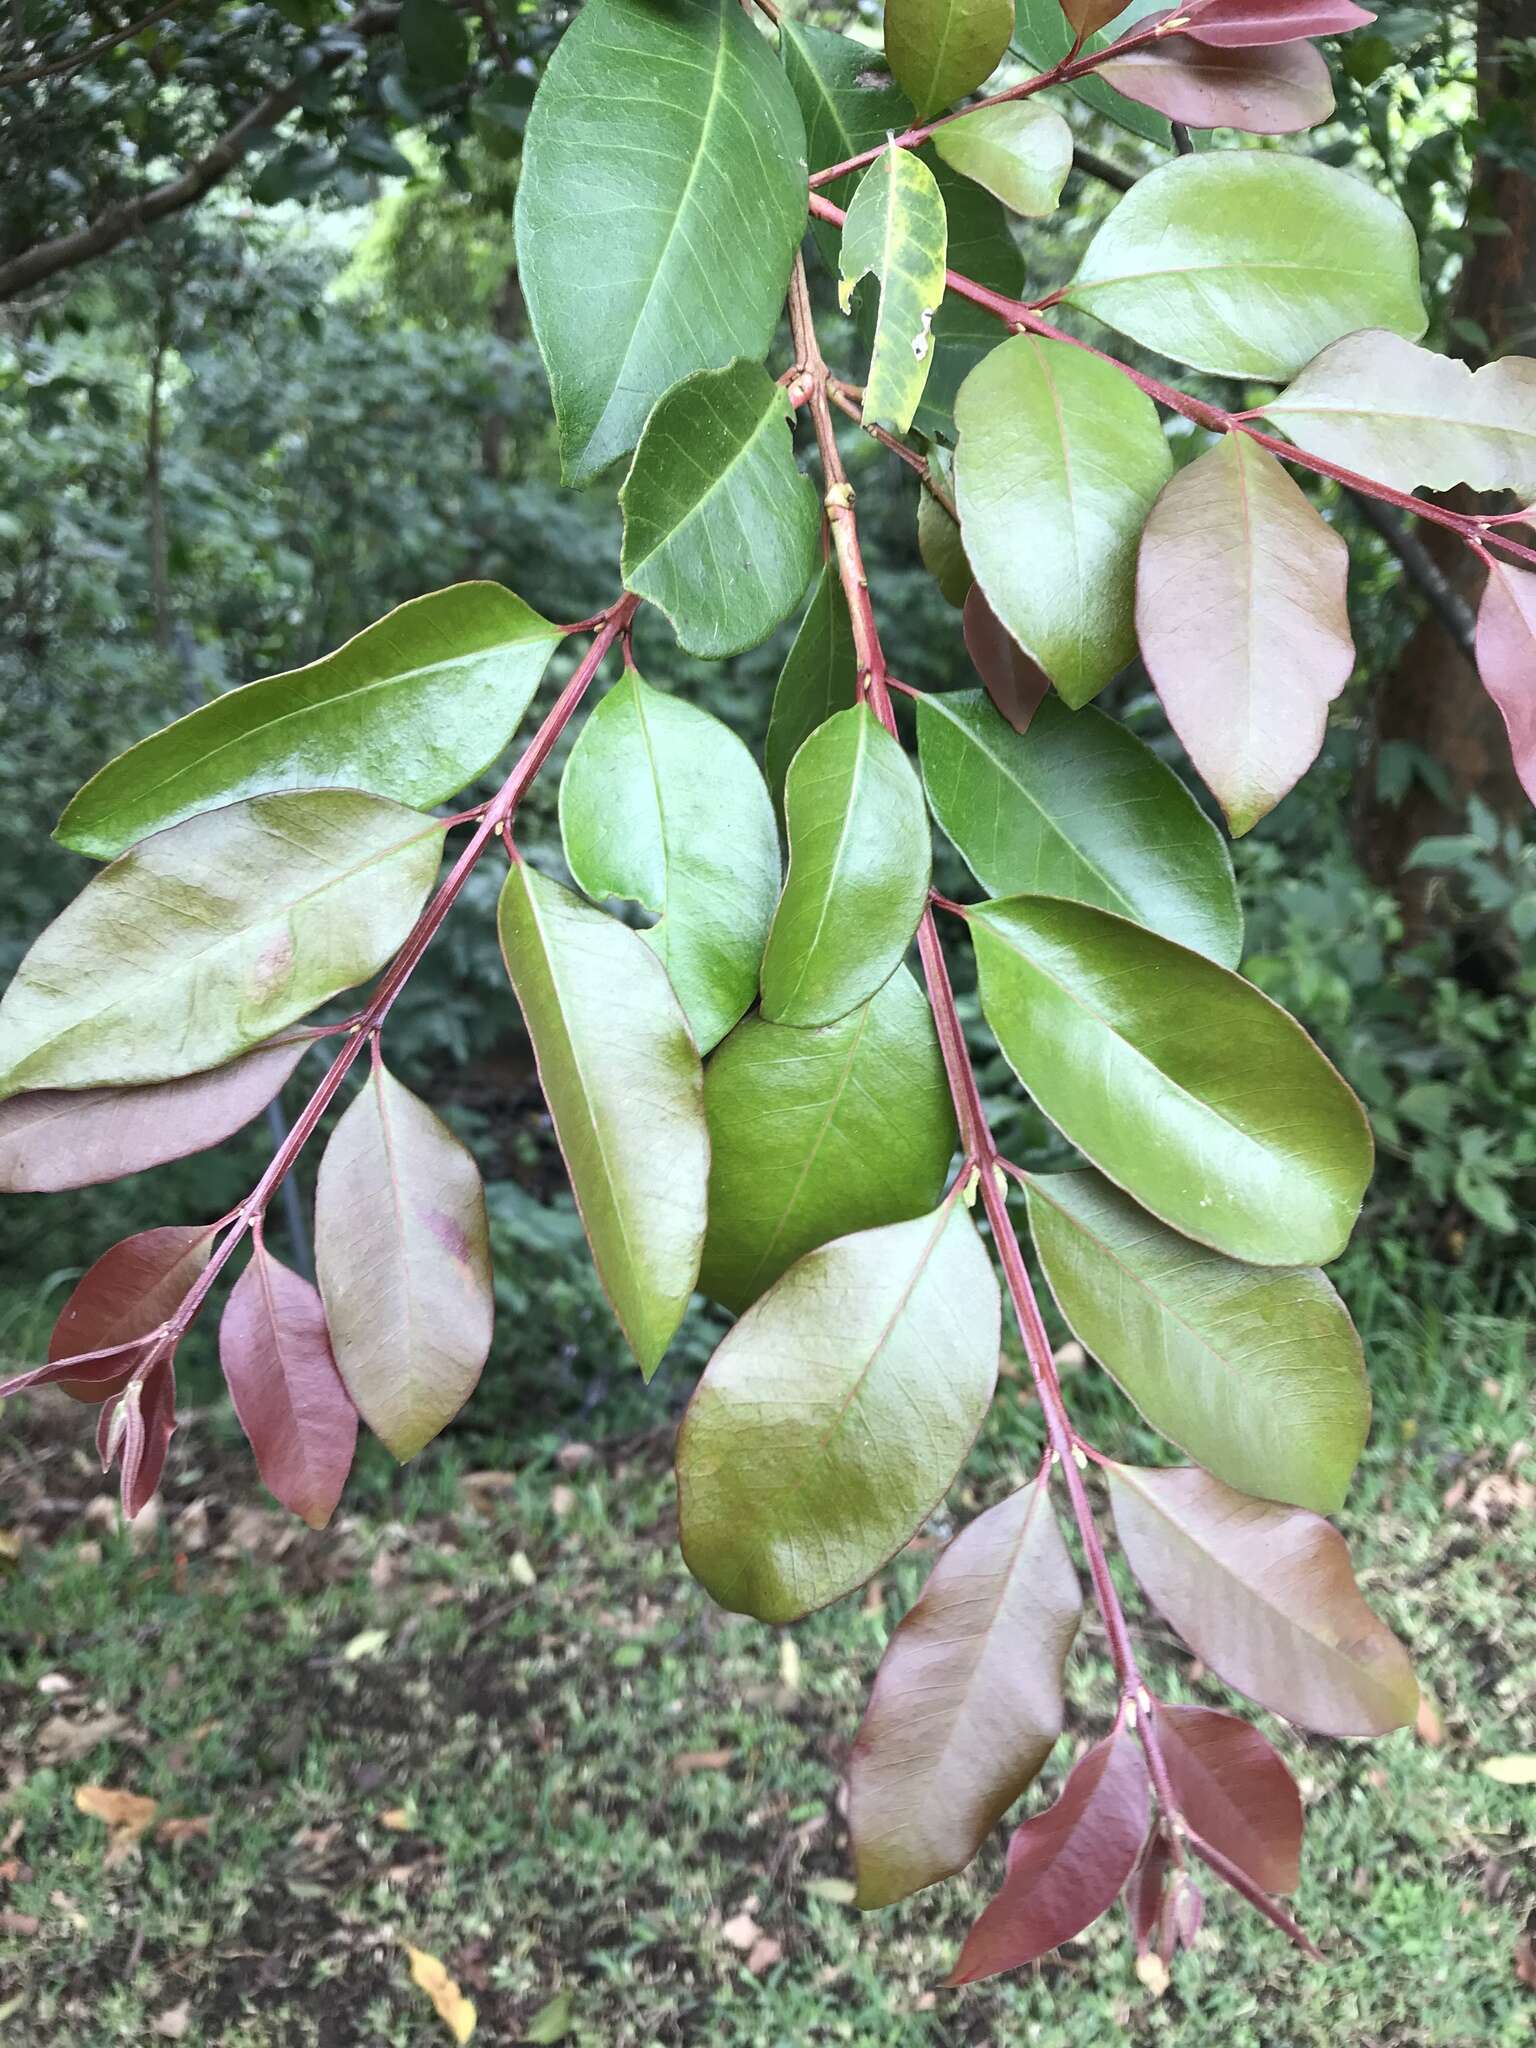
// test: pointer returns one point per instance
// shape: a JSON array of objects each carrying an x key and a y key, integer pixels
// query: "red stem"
[{"x": 1024, "y": 318}]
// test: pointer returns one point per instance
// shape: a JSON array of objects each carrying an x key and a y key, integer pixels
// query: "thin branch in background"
[
  {"x": 29, "y": 74},
  {"x": 1423, "y": 571},
  {"x": 486, "y": 9}
]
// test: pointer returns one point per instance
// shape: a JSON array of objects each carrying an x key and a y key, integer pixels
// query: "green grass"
[{"x": 295, "y": 1688}]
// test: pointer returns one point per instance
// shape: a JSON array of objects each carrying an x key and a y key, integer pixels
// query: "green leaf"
[
  {"x": 1059, "y": 461},
  {"x": 1243, "y": 622},
  {"x": 799, "y": 1470},
  {"x": 1408, "y": 417},
  {"x": 1078, "y": 807},
  {"x": 940, "y": 50},
  {"x": 436, "y": 41},
  {"x": 859, "y": 863},
  {"x": 662, "y": 804},
  {"x": 720, "y": 527},
  {"x": 816, "y": 1132},
  {"x": 662, "y": 195},
  {"x": 848, "y": 106},
  {"x": 1266, "y": 1597},
  {"x": 1247, "y": 262},
  {"x": 403, "y": 1258},
  {"x": 1256, "y": 1373},
  {"x": 210, "y": 936},
  {"x": 623, "y": 1081},
  {"x": 414, "y": 708},
  {"x": 966, "y": 1705},
  {"x": 1021, "y": 152},
  {"x": 1190, "y": 1090},
  {"x": 981, "y": 246},
  {"x": 1042, "y": 34},
  {"x": 896, "y": 228},
  {"x": 817, "y": 678}
]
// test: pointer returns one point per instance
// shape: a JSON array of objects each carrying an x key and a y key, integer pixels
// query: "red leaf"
[
  {"x": 1237, "y": 24},
  {"x": 1235, "y": 1792},
  {"x": 135, "y": 1428},
  {"x": 72, "y": 1138},
  {"x": 1144, "y": 1893},
  {"x": 1016, "y": 684},
  {"x": 1088, "y": 15},
  {"x": 1273, "y": 90},
  {"x": 129, "y": 1292},
  {"x": 1067, "y": 1865},
  {"x": 1506, "y": 659},
  {"x": 276, "y": 1353}
]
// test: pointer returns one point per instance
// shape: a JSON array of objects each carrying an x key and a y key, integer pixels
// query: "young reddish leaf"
[
  {"x": 1506, "y": 659},
  {"x": 72, "y": 1138},
  {"x": 1145, "y": 1892},
  {"x": 135, "y": 1428},
  {"x": 967, "y": 1701},
  {"x": 1265, "y": 1595},
  {"x": 1241, "y": 615},
  {"x": 1235, "y": 1792},
  {"x": 1088, "y": 15},
  {"x": 1067, "y": 1865},
  {"x": 129, "y": 1292},
  {"x": 276, "y": 1353},
  {"x": 1264, "y": 91},
  {"x": 403, "y": 1258},
  {"x": 1239, "y": 24},
  {"x": 1015, "y": 683}
]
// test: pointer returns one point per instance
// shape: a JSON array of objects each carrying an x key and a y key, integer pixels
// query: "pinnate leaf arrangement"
[{"x": 755, "y": 1095}]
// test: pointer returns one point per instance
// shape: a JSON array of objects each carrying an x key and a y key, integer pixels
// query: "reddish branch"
[
  {"x": 1024, "y": 318},
  {"x": 980, "y": 1147}
]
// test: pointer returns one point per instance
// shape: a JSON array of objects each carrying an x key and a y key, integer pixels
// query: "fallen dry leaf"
[
  {"x": 1428, "y": 1726},
  {"x": 521, "y": 1570},
  {"x": 1153, "y": 1973},
  {"x": 455, "y": 2011},
  {"x": 764, "y": 1953},
  {"x": 700, "y": 1760},
  {"x": 194, "y": 1828},
  {"x": 117, "y": 1809},
  {"x": 1525, "y": 1960},
  {"x": 396, "y": 1819},
  {"x": 1510, "y": 1770},
  {"x": 10, "y": 1547},
  {"x": 172, "y": 2024},
  {"x": 62, "y": 1741},
  {"x": 741, "y": 1931},
  {"x": 21, "y": 1926},
  {"x": 571, "y": 1457},
  {"x": 562, "y": 1499}
]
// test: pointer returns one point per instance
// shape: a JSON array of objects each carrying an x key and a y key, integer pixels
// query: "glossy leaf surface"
[
  {"x": 214, "y": 934},
  {"x": 73, "y": 1138},
  {"x": 1410, "y": 417},
  {"x": 817, "y": 679},
  {"x": 402, "y": 1254},
  {"x": 848, "y": 105},
  {"x": 1059, "y": 460},
  {"x": 1247, "y": 262},
  {"x": 720, "y": 527},
  {"x": 896, "y": 230},
  {"x": 661, "y": 803},
  {"x": 1079, "y": 807},
  {"x": 412, "y": 708},
  {"x": 1241, "y": 613},
  {"x": 1017, "y": 685},
  {"x": 275, "y": 1350},
  {"x": 1197, "y": 1095},
  {"x": 622, "y": 1078},
  {"x": 817, "y": 1132},
  {"x": 801, "y": 1463},
  {"x": 967, "y": 1702},
  {"x": 1266, "y": 1597},
  {"x": 1255, "y": 1371},
  {"x": 939, "y": 50},
  {"x": 655, "y": 229},
  {"x": 942, "y": 550},
  {"x": 981, "y": 246},
  {"x": 1020, "y": 151},
  {"x": 1276, "y": 90},
  {"x": 129, "y": 1292},
  {"x": 1235, "y": 1792},
  {"x": 1237, "y": 24},
  {"x": 1067, "y": 1865},
  {"x": 1506, "y": 660},
  {"x": 859, "y": 862}
]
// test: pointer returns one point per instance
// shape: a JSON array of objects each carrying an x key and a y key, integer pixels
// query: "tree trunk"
[{"x": 1432, "y": 698}]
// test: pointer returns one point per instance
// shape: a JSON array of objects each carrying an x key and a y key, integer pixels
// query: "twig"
[{"x": 29, "y": 74}]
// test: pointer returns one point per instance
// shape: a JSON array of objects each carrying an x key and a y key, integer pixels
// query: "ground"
[{"x": 487, "y": 1714}]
